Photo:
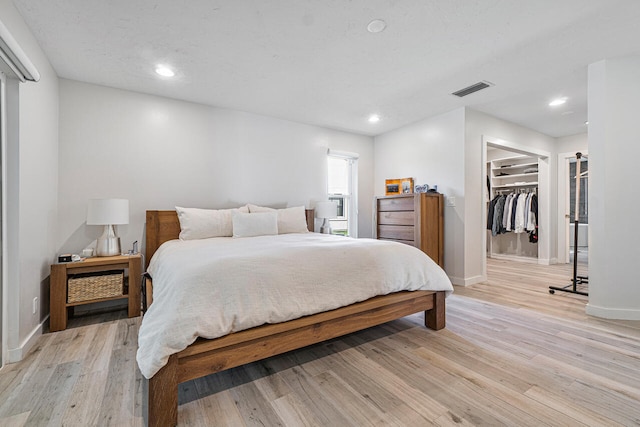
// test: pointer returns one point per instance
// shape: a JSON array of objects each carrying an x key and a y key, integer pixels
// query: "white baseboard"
[
  {"x": 468, "y": 281},
  {"x": 613, "y": 313},
  {"x": 17, "y": 354},
  {"x": 506, "y": 257}
]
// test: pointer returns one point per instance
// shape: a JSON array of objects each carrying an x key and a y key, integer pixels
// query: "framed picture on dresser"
[{"x": 394, "y": 187}]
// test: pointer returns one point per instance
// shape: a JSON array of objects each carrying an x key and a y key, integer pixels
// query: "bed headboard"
[{"x": 164, "y": 225}]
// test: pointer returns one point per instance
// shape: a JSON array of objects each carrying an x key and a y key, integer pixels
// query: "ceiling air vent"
[{"x": 473, "y": 88}]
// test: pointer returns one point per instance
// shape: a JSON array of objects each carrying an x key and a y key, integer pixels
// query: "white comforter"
[{"x": 211, "y": 287}]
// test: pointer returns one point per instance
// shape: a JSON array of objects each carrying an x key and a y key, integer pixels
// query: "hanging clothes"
[
  {"x": 519, "y": 223},
  {"x": 532, "y": 225},
  {"x": 491, "y": 211},
  {"x": 513, "y": 212},
  {"x": 497, "y": 217},
  {"x": 507, "y": 213}
]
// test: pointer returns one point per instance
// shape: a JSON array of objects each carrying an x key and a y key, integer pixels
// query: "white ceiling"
[{"x": 313, "y": 61}]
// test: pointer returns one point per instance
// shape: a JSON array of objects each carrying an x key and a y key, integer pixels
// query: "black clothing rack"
[{"x": 576, "y": 280}]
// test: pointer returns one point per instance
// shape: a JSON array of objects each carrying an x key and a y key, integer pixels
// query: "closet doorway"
[
  {"x": 566, "y": 209},
  {"x": 515, "y": 169}
]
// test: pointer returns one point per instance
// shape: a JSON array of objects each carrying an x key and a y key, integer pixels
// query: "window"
[{"x": 342, "y": 178}]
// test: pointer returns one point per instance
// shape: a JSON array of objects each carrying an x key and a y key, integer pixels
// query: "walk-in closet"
[{"x": 517, "y": 203}]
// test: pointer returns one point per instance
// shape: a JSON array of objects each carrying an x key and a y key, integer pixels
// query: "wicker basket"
[{"x": 90, "y": 286}]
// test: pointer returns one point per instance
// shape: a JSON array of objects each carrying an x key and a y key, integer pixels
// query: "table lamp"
[
  {"x": 108, "y": 212},
  {"x": 326, "y": 210}
]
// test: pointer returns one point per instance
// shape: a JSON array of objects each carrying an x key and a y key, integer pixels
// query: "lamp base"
[
  {"x": 326, "y": 227},
  {"x": 108, "y": 244}
]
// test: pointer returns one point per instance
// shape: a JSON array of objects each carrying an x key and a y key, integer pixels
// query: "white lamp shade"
[
  {"x": 327, "y": 209},
  {"x": 108, "y": 212}
]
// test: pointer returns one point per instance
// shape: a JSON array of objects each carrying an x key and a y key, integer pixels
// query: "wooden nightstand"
[{"x": 60, "y": 273}]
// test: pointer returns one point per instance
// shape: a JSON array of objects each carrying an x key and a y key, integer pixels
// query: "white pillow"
[
  {"x": 290, "y": 220},
  {"x": 204, "y": 223},
  {"x": 256, "y": 208},
  {"x": 256, "y": 224}
]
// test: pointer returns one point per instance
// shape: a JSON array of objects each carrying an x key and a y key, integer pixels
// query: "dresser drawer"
[
  {"x": 396, "y": 218},
  {"x": 406, "y": 242},
  {"x": 396, "y": 232},
  {"x": 396, "y": 204}
]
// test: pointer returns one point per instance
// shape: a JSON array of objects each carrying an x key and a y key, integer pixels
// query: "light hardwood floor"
[{"x": 512, "y": 354}]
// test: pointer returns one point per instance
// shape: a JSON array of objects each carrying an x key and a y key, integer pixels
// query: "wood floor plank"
[
  {"x": 18, "y": 420},
  {"x": 565, "y": 405},
  {"x": 512, "y": 354},
  {"x": 82, "y": 408},
  {"x": 307, "y": 389},
  {"x": 50, "y": 408}
]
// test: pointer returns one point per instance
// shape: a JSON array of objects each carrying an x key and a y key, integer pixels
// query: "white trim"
[
  {"x": 468, "y": 281},
  {"x": 343, "y": 154},
  {"x": 519, "y": 258},
  {"x": 563, "y": 205},
  {"x": 17, "y": 354},
  {"x": 17, "y": 61},
  {"x": 543, "y": 158},
  {"x": 513, "y": 146},
  {"x": 485, "y": 242},
  {"x": 613, "y": 313},
  {"x": 352, "y": 197},
  {"x": 4, "y": 332}
]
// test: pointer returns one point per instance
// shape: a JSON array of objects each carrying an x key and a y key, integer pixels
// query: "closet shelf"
[
  {"x": 516, "y": 175},
  {"x": 515, "y": 166},
  {"x": 524, "y": 184}
]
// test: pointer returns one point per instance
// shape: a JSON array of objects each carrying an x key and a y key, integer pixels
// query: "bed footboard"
[{"x": 204, "y": 357}]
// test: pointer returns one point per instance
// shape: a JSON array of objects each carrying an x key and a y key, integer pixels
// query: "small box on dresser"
[{"x": 414, "y": 219}]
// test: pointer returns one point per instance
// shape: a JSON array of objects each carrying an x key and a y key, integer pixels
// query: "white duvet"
[{"x": 211, "y": 287}]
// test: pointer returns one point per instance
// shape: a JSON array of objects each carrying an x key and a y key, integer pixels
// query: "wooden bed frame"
[{"x": 204, "y": 356}]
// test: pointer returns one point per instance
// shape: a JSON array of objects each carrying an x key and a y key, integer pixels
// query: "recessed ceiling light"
[
  {"x": 165, "y": 71},
  {"x": 587, "y": 122},
  {"x": 374, "y": 118},
  {"x": 376, "y": 26},
  {"x": 558, "y": 101}
]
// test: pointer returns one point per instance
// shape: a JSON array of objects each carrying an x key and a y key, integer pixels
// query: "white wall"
[
  {"x": 159, "y": 153},
  {"x": 432, "y": 152},
  {"x": 32, "y": 189},
  {"x": 573, "y": 143},
  {"x": 614, "y": 151}
]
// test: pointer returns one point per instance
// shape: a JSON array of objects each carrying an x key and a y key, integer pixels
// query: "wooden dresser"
[{"x": 414, "y": 219}]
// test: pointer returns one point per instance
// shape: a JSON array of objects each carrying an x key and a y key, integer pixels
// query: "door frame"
[
  {"x": 3, "y": 229},
  {"x": 564, "y": 207},
  {"x": 544, "y": 188}
]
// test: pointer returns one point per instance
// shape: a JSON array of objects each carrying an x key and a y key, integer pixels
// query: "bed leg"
[
  {"x": 435, "y": 318},
  {"x": 160, "y": 396}
]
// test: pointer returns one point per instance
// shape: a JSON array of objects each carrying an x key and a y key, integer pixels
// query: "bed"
[{"x": 208, "y": 356}]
